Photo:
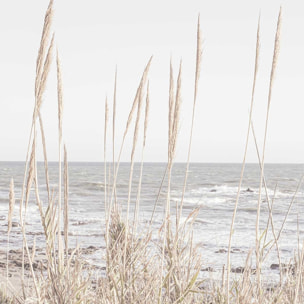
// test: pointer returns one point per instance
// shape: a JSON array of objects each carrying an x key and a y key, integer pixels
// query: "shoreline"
[{"x": 39, "y": 266}]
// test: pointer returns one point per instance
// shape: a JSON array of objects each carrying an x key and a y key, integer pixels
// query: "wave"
[{"x": 249, "y": 191}]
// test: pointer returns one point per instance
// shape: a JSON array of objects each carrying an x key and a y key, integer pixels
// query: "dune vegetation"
[{"x": 138, "y": 269}]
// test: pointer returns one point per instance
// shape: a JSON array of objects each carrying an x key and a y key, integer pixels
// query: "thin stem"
[
  {"x": 273, "y": 69},
  {"x": 244, "y": 159}
]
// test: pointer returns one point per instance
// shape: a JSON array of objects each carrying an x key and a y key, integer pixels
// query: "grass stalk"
[
  {"x": 114, "y": 127},
  {"x": 66, "y": 203},
  {"x": 272, "y": 74},
  {"x": 270, "y": 207},
  {"x": 135, "y": 137},
  {"x": 174, "y": 114},
  {"x": 257, "y": 51},
  {"x": 46, "y": 169},
  {"x": 60, "y": 113},
  {"x": 105, "y": 152},
  {"x": 199, "y": 52},
  {"x": 136, "y": 99},
  {"x": 9, "y": 223},
  {"x": 136, "y": 210}
]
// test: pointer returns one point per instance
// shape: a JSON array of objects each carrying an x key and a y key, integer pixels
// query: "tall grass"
[{"x": 138, "y": 269}]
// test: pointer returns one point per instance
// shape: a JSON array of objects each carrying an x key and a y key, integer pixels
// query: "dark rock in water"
[
  {"x": 209, "y": 269},
  {"x": 234, "y": 250},
  {"x": 221, "y": 251},
  {"x": 90, "y": 249},
  {"x": 249, "y": 190},
  {"x": 274, "y": 266},
  {"x": 237, "y": 250},
  {"x": 2, "y": 217},
  {"x": 241, "y": 269},
  {"x": 35, "y": 233},
  {"x": 27, "y": 265},
  {"x": 80, "y": 223},
  {"x": 212, "y": 190},
  {"x": 18, "y": 263},
  {"x": 14, "y": 224},
  {"x": 14, "y": 251},
  {"x": 285, "y": 267}
]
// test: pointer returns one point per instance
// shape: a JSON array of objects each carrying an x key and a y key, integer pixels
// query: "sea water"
[{"x": 212, "y": 188}]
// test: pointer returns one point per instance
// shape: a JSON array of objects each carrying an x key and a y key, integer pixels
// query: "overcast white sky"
[{"x": 94, "y": 36}]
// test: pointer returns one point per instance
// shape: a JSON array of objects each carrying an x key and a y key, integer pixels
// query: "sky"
[{"x": 94, "y": 37}]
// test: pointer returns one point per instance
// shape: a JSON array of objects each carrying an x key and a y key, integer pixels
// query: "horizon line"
[{"x": 161, "y": 162}]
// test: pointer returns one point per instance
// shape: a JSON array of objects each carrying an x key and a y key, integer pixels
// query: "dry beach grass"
[{"x": 138, "y": 269}]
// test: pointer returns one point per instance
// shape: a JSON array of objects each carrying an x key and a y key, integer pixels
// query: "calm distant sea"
[{"x": 211, "y": 187}]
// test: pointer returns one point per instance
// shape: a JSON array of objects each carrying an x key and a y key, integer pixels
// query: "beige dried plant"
[
  {"x": 272, "y": 74},
  {"x": 9, "y": 224},
  {"x": 43, "y": 45},
  {"x": 60, "y": 114},
  {"x": 136, "y": 210},
  {"x": 256, "y": 65},
  {"x": 11, "y": 206},
  {"x": 199, "y": 52},
  {"x": 66, "y": 202},
  {"x": 105, "y": 150},
  {"x": 139, "y": 91}
]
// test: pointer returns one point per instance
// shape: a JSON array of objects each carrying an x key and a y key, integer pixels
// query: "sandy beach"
[{"x": 39, "y": 266}]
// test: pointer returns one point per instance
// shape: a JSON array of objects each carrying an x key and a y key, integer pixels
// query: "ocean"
[{"x": 211, "y": 187}]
